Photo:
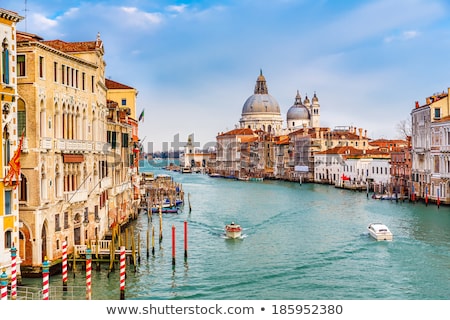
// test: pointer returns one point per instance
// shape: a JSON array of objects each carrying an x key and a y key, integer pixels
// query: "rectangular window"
[
  {"x": 63, "y": 74},
  {"x": 76, "y": 79},
  {"x": 8, "y": 239},
  {"x": 41, "y": 67},
  {"x": 83, "y": 81},
  {"x": 21, "y": 65},
  {"x": 57, "y": 223},
  {"x": 8, "y": 202},
  {"x": 124, "y": 102},
  {"x": 111, "y": 137},
  {"x": 124, "y": 140},
  {"x": 92, "y": 84},
  {"x": 66, "y": 220},
  {"x": 68, "y": 76},
  {"x": 437, "y": 113},
  {"x": 55, "y": 71}
]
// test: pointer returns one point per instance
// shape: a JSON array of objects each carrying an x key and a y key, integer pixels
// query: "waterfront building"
[
  {"x": 124, "y": 194},
  {"x": 64, "y": 178},
  {"x": 329, "y": 165},
  {"x": 121, "y": 101},
  {"x": 439, "y": 188},
  {"x": 401, "y": 165},
  {"x": 194, "y": 159},
  {"x": 229, "y": 152},
  {"x": 421, "y": 117},
  {"x": 11, "y": 136}
]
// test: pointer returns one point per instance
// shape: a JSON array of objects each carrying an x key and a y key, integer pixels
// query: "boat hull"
[
  {"x": 380, "y": 232},
  {"x": 233, "y": 231}
]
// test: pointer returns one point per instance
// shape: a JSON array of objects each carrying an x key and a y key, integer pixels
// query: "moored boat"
[
  {"x": 233, "y": 230},
  {"x": 379, "y": 231}
]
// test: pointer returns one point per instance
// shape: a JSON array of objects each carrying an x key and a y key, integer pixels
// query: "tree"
[{"x": 404, "y": 128}]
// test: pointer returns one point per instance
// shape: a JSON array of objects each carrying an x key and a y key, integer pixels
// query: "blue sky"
[{"x": 195, "y": 63}]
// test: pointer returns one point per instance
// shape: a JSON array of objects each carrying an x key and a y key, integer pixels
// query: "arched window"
[
  {"x": 23, "y": 188},
  {"x": 21, "y": 117},
  {"x": 5, "y": 61}
]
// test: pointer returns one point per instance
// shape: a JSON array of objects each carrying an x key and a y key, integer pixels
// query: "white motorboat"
[
  {"x": 233, "y": 230},
  {"x": 379, "y": 231}
]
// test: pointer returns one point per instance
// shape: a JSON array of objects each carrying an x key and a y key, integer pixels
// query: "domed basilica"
[{"x": 261, "y": 111}]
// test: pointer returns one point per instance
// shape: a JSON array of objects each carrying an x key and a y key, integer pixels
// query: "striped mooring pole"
[
  {"x": 64, "y": 265},
  {"x": 45, "y": 279},
  {"x": 4, "y": 285},
  {"x": 122, "y": 273},
  {"x": 88, "y": 273},
  {"x": 13, "y": 273}
]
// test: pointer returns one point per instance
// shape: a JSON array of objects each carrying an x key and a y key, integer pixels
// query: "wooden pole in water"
[
  {"x": 185, "y": 240},
  {"x": 148, "y": 243},
  {"x": 139, "y": 248},
  {"x": 153, "y": 240},
  {"x": 160, "y": 227},
  {"x": 189, "y": 200},
  {"x": 173, "y": 245}
]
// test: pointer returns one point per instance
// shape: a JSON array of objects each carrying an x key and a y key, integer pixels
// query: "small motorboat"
[
  {"x": 233, "y": 230},
  {"x": 379, "y": 231}
]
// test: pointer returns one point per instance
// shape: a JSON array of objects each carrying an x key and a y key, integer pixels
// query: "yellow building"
[
  {"x": 65, "y": 175},
  {"x": 124, "y": 95},
  {"x": 9, "y": 210}
]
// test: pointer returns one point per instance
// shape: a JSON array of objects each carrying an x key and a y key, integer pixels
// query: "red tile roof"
[{"x": 110, "y": 84}]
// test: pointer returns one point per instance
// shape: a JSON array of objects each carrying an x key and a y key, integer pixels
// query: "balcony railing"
[{"x": 76, "y": 196}]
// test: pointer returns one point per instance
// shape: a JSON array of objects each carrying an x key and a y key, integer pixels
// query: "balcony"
[
  {"x": 63, "y": 145},
  {"x": 75, "y": 196},
  {"x": 46, "y": 143},
  {"x": 106, "y": 183}
]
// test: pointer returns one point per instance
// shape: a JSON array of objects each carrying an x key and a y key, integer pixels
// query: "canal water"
[{"x": 304, "y": 242}]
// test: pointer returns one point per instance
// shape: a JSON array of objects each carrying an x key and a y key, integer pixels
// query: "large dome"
[{"x": 261, "y": 101}]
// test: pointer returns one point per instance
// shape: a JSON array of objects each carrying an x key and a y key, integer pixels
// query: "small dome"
[
  {"x": 298, "y": 111},
  {"x": 315, "y": 99}
]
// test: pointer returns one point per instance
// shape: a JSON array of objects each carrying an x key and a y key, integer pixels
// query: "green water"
[{"x": 299, "y": 242}]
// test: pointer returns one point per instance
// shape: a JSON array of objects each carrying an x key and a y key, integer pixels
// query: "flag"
[
  {"x": 345, "y": 178},
  {"x": 141, "y": 116},
  {"x": 14, "y": 166}
]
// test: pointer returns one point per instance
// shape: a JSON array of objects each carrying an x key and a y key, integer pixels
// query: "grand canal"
[{"x": 300, "y": 242}]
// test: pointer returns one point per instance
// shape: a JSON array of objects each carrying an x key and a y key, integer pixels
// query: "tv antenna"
[{"x": 25, "y": 15}]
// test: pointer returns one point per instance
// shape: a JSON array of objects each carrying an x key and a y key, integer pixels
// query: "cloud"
[
  {"x": 141, "y": 18},
  {"x": 404, "y": 36},
  {"x": 178, "y": 9},
  {"x": 40, "y": 23}
]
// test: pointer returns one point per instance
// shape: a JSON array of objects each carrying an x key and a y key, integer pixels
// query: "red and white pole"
[
  {"x": 64, "y": 265},
  {"x": 4, "y": 285},
  {"x": 88, "y": 273},
  {"x": 122, "y": 273},
  {"x": 13, "y": 273},
  {"x": 45, "y": 279}
]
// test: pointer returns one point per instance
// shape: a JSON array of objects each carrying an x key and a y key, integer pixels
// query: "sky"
[{"x": 195, "y": 63}]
